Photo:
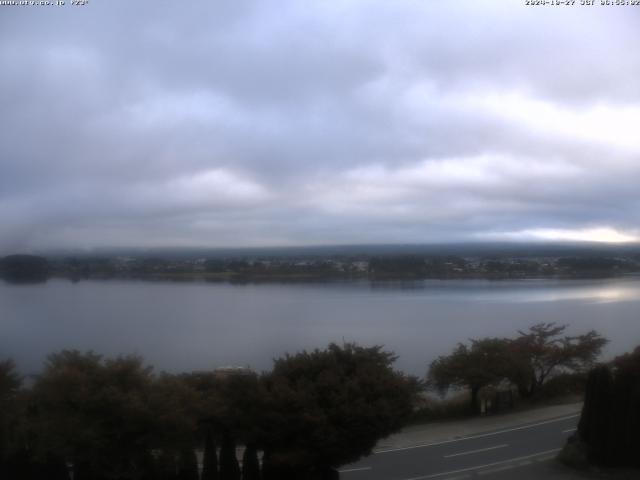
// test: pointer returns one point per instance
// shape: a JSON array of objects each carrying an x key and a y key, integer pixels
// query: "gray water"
[{"x": 194, "y": 326}]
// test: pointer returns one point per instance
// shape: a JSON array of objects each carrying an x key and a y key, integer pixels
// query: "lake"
[{"x": 184, "y": 326}]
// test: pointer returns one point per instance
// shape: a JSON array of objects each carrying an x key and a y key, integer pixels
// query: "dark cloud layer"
[{"x": 251, "y": 123}]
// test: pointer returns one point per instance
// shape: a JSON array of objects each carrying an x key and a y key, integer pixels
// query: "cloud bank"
[{"x": 248, "y": 124}]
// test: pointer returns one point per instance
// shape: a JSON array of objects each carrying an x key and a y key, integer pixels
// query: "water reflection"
[
  {"x": 600, "y": 294},
  {"x": 186, "y": 326},
  {"x": 519, "y": 291}
]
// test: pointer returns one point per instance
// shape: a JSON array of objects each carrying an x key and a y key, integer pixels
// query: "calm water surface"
[{"x": 192, "y": 326}]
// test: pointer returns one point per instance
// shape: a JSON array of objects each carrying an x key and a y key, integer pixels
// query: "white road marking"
[
  {"x": 478, "y": 467},
  {"x": 482, "y": 435},
  {"x": 361, "y": 469},
  {"x": 475, "y": 451},
  {"x": 543, "y": 459},
  {"x": 569, "y": 430},
  {"x": 496, "y": 470}
]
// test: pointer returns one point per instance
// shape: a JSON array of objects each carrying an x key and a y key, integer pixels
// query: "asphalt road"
[{"x": 483, "y": 455}]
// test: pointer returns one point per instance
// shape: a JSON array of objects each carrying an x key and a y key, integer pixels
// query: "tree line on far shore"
[
  {"x": 31, "y": 268},
  {"x": 114, "y": 418}
]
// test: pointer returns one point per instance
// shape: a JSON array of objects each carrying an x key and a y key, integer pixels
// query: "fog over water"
[{"x": 197, "y": 325}]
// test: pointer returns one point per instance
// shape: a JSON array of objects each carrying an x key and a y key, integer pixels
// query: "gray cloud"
[{"x": 326, "y": 122}]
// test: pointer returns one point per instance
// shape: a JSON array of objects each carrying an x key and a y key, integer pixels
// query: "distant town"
[{"x": 372, "y": 263}]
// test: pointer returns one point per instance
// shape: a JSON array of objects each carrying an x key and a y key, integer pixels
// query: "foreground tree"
[
  {"x": 330, "y": 407},
  {"x": 597, "y": 413},
  {"x": 188, "y": 464},
  {"x": 482, "y": 363},
  {"x": 250, "y": 463},
  {"x": 543, "y": 350},
  {"x": 626, "y": 411},
  {"x": 229, "y": 467},
  {"x": 95, "y": 413},
  {"x": 9, "y": 386},
  {"x": 210, "y": 458},
  {"x": 175, "y": 406},
  {"x": 608, "y": 429},
  {"x": 167, "y": 467},
  {"x": 9, "y": 380},
  {"x": 527, "y": 361}
]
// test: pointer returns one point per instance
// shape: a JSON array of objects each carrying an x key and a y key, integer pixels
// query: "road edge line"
[
  {"x": 481, "y": 435},
  {"x": 479, "y": 467}
]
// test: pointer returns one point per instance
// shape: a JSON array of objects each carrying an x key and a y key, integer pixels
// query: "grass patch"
[{"x": 432, "y": 408}]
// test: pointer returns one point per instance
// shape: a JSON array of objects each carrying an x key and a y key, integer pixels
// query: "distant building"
[
  {"x": 226, "y": 372},
  {"x": 361, "y": 266}
]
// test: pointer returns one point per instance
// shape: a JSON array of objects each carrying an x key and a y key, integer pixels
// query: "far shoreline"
[{"x": 241, "y": 279}]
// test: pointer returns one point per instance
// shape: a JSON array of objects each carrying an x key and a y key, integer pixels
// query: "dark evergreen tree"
[
  {"x": 187, "y": 464},
  {"x": 10, "y": 384},
  {"x": 210, "y": 458},
  {"x": 267, "y": 470},
  {"x": 97, "y": 412},
  {"x": 250, "y": 463},
  {"x": 53, "y": 468},
  {"x": 18, "y": 466},
  {"x": 626, "y": 416},
  {"x": 595, "y": 422},
  {"x": 167, "y": 467},
  {"x": 83, "y": 470},
  {"x": 149, "y": 467},
  {"x": 610, "y": 418},
  {"x": 276, "y": 469},
  {"x": 229, "y": 468}
]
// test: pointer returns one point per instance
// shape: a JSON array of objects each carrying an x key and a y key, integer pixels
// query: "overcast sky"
[{"x": 241, "y": 123}]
